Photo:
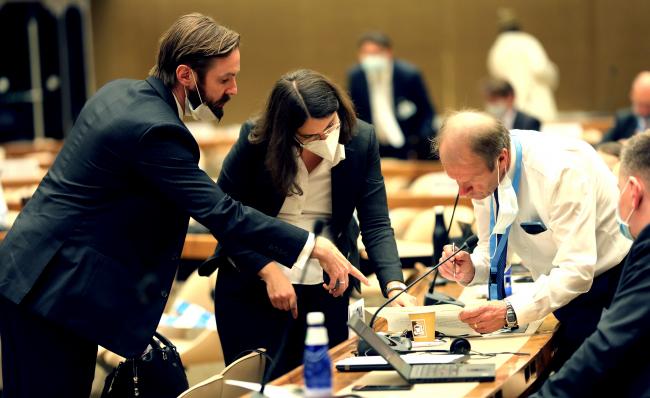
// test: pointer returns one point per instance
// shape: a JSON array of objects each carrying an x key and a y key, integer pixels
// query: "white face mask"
[
  {"x": 326, "y": 148},
  {"x": 201, "y": 112},
  {"x": 497, "y": 109},
  {"x": 508, "y": 206},
  {"x": 375, "y": 63}
]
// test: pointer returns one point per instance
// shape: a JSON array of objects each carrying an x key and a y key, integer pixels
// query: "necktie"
[{"x": 497, "y": 277}]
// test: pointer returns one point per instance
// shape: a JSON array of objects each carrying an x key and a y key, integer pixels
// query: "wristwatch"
[
  {"x": 511, "y": 317},
  {"x": 394, "y": 285}
]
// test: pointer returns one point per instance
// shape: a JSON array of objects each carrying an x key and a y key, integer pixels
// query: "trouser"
[
  {"x": 246, "y": 319},
  {"x": 580, "y": 317},
  {"x": 41, "y": 359}
]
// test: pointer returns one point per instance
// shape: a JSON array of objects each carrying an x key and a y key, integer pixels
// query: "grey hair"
[
  {"x": 486, "y": 141},
  {"x": 635, "y": 158}
]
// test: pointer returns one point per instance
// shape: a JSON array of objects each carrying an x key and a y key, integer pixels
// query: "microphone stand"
[
  {"x": 469, "y": 242},
  {"x": 431, "y": 297},
  {"x": 402, "y": 344}
]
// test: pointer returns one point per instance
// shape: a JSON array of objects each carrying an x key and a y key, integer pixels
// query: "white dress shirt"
[
  {"x": 565, "y": 185},
  {"x": 382, "y": 107},
  {"x": 311, "y": 239},
  {"x": 508, "y": 118},
  {"x": 315, "y": 203}
]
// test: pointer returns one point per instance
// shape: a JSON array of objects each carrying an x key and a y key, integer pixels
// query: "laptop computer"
[{"x": 425, "y": 373}]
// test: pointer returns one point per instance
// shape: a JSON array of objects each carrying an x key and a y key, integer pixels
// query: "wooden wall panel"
[{"x": 598, "y": 45}]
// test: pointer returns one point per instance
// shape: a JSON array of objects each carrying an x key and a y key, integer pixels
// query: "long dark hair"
[{"x": 296, "y": 97}]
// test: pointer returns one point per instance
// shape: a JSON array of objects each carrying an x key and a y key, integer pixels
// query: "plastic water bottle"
[{"x": 317, "y": 363}]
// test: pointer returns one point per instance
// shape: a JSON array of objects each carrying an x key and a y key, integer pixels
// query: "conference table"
[{"x": 515, "y": 374}]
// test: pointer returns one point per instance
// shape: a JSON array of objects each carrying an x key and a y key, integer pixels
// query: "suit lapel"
[
  {"x": 164, "y": 92},
  {"x": 341, "y": 177},
  {"x": 517, "y": 120}
]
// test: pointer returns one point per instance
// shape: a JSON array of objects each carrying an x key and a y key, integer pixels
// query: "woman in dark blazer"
[{"x": 307, "y": 158}]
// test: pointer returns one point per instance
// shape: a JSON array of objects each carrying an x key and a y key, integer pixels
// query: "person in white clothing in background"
[
  {"x": 553, "y": 200},
  {"x": 520, "y": 58}
]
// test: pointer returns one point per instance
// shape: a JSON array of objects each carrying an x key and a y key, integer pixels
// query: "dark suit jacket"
[
  {"x": 97, "y": 246},
  {"x": 356, "y": 183},
  {"x": 525, "y": 122},
  {"x": 408, "y": 85},
  {"x": 625, "y": 126},
  {"x": 613, "y": 360}
]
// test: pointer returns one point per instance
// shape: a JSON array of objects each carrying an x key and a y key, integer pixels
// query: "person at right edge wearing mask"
[
  {"x": 558, "y": 216},
  {"x": 391, "y": 95},
  {"x": 637, "y": 118},
  {"x": 602, "y": 365}
]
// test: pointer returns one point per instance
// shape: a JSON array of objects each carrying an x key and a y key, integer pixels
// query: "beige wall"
[{"x": 598, "y": 45}]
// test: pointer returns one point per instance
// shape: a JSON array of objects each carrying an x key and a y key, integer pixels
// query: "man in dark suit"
[
  {"x": 91, "y": 258},
  {"x": 611, "y": 361},
  {"x": 391, "y": 94},
  {"x": 636, "y": 119},
  {"x": 500, "y": 103}
]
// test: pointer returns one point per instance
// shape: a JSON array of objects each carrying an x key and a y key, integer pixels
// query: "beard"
[{"x": 215, "y": 106}]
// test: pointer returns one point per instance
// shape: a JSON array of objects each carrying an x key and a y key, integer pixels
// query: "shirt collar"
[
  {"x": 509, "y": 118},
  {"x": 179, "y": 108},
  {"x": 513, "y": 159}
]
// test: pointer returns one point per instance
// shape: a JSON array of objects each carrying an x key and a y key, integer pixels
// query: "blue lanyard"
[{"x": 504, "y": 238}]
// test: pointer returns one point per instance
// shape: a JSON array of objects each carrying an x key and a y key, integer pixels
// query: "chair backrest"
[
  {"x": 435, "y": 184},
  {"x": 209, "y": 388},
  {"x": 420, "y": 228},
  {"x": 401, "y": 218},
  {"x": 249, "y": 368}
]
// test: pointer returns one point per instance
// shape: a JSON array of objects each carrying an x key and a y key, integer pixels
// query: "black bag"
[{"x": 158, "y": 373}]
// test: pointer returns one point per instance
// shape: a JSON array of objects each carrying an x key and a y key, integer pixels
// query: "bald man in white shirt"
[{"x": 553, "y": 199}]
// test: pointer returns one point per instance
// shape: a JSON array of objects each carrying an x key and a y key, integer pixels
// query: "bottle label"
[{"x": 317, "y": 371}]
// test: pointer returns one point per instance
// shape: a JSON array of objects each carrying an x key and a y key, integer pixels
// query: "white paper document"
[{"x": 447, "y": 321}]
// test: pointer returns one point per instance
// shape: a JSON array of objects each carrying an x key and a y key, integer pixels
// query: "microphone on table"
[{"x": 404, "y": 344}]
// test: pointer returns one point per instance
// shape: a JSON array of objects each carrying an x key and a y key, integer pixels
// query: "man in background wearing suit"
[
  {"x": 631, "y": 121},
  {"x": 391, "y": 94},
  {"x": 92, "y": 257},
  {"x": 611, "y": 361},
  {"x": 500, "y": 103}
]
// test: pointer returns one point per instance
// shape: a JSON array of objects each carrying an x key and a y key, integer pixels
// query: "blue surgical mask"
[{"x": 624, "y": 226}]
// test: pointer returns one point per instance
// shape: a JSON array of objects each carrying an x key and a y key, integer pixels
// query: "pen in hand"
[{"x": 453, "y": 260}]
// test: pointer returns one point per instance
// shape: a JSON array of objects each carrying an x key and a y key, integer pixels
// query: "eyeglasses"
[{"x": 306, "y": 138}]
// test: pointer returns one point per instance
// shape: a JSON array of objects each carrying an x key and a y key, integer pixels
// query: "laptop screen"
[{"x": 391, "y": 356}]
